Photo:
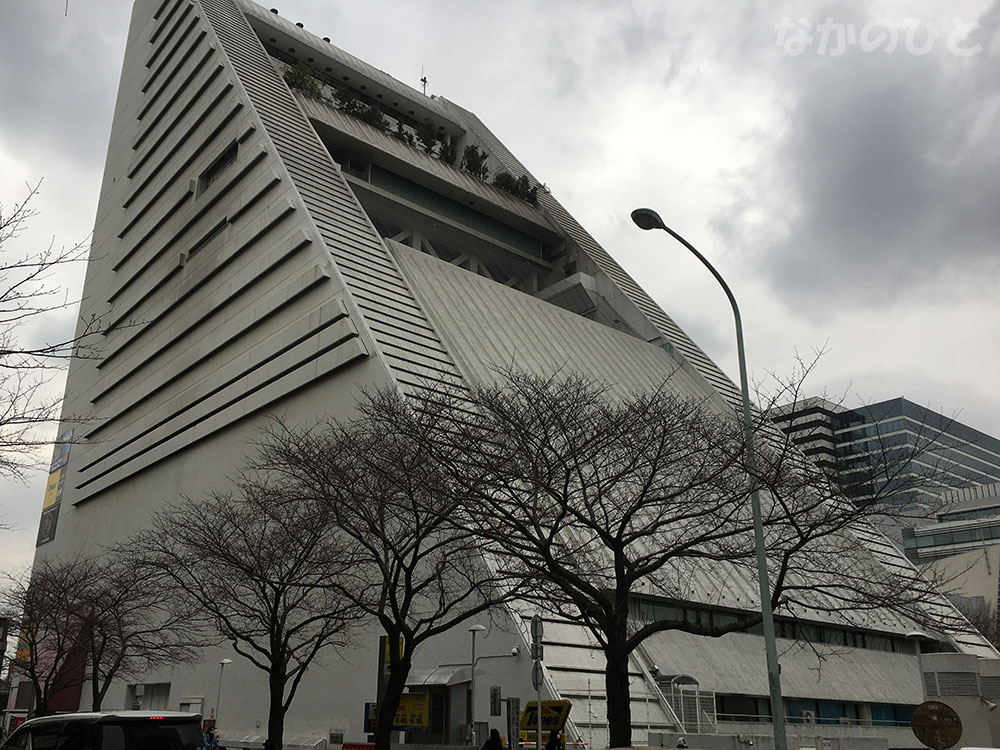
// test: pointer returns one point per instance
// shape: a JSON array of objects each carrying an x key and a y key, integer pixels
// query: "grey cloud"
[
  {"x": 58, "y": 71},
  {"x": 885, "y": 175}
]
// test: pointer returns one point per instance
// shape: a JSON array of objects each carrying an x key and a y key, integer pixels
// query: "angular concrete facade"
[{"x": 261, "y": 251}]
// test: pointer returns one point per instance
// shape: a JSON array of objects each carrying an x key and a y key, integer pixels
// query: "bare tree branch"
[
  {"x": 257, "y": 564},
  {"x": 416, "y": 572},
  {"x": 600, "y": 496},
  {"x": 90, "y": 620},
  {"x": 29, "y": 290}
]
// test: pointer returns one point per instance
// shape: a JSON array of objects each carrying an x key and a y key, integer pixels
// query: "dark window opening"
[{"x": 216, "y": 169}]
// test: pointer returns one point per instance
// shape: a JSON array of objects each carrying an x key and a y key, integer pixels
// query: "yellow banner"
[{"x": 52, "y": 489}]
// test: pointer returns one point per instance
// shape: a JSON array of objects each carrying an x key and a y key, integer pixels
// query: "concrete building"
[
  {"x": 961, "y": 546},
  {"x": 968, "y": 523},
  {"x": 260, "y": 249}
]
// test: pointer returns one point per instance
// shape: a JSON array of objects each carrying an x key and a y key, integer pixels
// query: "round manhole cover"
[{"x": 936, "y": 725}]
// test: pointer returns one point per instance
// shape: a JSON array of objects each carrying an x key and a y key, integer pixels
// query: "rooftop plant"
[
  {"x": 348, "y": 101},
  {"x": 449, "y": 150},
  {"x": 519, "y": 187},
  {"x": 474, "y": 162},
  {"x": 427, "y": 137},
  {"x": 402, "y": 134},
  {"x": 301, "y": 78},
  {"x": 374, "y": 117}
]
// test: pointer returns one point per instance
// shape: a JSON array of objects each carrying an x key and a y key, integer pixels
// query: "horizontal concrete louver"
[
  {"x": 220, "y": 297},
  {"x": 405, "y": 339}
]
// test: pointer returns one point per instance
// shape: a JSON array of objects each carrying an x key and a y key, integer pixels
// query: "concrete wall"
[{"x": 799, "y": 737}]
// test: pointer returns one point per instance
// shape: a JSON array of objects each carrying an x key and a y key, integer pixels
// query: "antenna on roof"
[{"x": 423, "y": 78}]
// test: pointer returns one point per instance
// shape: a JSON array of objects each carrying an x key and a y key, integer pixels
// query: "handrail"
[{"x": 642, "y": 658}]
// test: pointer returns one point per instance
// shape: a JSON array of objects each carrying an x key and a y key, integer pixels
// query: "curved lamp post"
[
  {"x": 646, "y": 218},
  {"x": 472, "y": 688}
]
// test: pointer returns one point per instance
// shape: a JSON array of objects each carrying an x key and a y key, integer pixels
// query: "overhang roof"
[{"x": 453, "y": 674}]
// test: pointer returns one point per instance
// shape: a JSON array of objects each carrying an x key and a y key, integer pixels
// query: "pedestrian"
[
  {"x": 211, "y": 741},
  {"x": 554, "y": 743},
  {"x": 494, "y": 742}
]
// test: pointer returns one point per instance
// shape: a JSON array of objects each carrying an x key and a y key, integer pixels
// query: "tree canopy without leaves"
[
  {"x": 557, "y": 492},
  {"x": 256, "y": 563},
  {"x": 29, "y": 290},
  {"x": 603, "y": 495},
  {"x": 43, "y": 607},
  {"x": 132, "y": 629},
  {"x": 94, "y": 621},
  {"x": 384, "y": 477},
  {"x": 594, "y": 494}
]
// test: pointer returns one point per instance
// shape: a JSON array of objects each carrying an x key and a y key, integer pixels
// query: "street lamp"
[
  {"x": 218, "y": 695},
  {"x": 646, "y": 218},
  {"x": 472, "y": 697}
]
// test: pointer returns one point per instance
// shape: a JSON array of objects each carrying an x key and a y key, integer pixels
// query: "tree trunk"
[
  {"x": 96, "y": 694},
  {"x": 619, "y": 705},
  {"x": 395, "y": 685},
  {"x": 41, "y": 699},
  {"x": 275, "y": 709},
  {"x": 102, "y": 693}
]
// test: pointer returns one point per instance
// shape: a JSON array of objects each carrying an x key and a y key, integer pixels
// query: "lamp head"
[
  {"x": 224, "y": 662},
  {"x": 647, "y": 218},
  {"x": 477, "y": 628}
]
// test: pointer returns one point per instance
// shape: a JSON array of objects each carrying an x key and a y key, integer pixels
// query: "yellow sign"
[
  {"x": 386, "y": 653},
  {"x": 52, "y": 489},
  {"x": 414, "y": 711},
  {"x": 554, "y": 715}
]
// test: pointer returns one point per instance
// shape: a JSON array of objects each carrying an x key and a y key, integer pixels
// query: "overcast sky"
[{"x": 836, "y": 161}]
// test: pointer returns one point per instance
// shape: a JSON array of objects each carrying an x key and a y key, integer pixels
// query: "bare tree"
[
  {"x": 131, "y": 628},
  {"x": 257, "y": 563},
  {"x": 42, "y": 606},
  {"x": 385, "y": 478},
  {"x": 828, "y": 518},
  {"x": 89, "y": 620},
  {"x": 903, "y": 471},
  {"x": 595, "y": 493},
  {"x": 981, "y": 614},
  {"x": 29, "y": 290}
]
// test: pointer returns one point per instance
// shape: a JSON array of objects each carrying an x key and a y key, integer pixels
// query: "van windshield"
[{"x": 150, "y": 734}]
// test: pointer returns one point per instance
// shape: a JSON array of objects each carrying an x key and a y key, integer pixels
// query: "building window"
[
  {"x": 217, "y": 168},
  {"x": 25, "y": 696},
  {"x": 150, "y": 697}
]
